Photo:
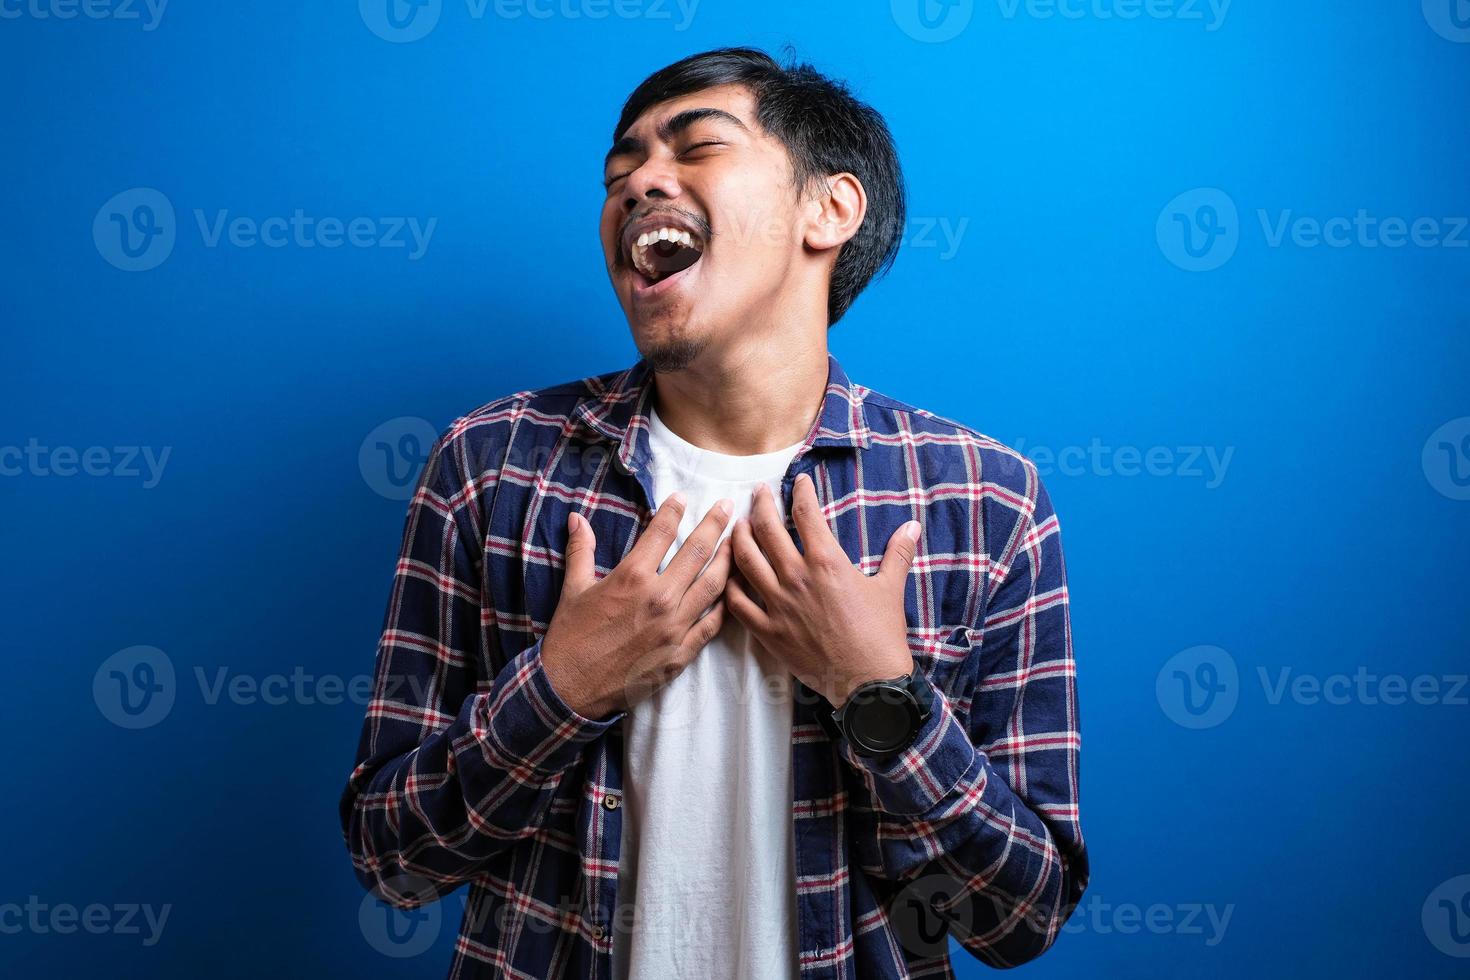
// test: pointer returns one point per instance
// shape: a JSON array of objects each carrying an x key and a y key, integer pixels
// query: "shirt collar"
[{"x": 619, "y": 412}]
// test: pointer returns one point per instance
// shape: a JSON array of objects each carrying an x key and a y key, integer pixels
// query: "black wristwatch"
[{"x": 884, "y": 717}]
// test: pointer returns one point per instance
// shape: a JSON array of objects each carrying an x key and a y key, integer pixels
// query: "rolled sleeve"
[
  {"x": 919, "y": 778},
  {"x": 527, "y": 725}
]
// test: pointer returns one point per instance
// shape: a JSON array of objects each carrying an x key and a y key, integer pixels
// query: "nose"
[{"x": 654, "y": 179}]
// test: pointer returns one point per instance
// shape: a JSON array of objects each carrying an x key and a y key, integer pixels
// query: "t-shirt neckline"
[{"x": 708, "y": 464}]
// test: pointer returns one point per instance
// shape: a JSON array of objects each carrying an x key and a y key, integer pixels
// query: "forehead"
[{"x": 735, "y": 99}]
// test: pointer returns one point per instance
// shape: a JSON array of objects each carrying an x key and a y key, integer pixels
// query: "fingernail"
[
  {"x": 725, "y": 507},
  {"x": 912, "y": 529},
  {"x": 678, "y": 497}
]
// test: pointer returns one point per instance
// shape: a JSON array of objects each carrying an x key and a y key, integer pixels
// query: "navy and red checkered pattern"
[{"x": 471, "y": 769}]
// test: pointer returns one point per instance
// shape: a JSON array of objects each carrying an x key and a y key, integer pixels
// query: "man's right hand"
[{"x": 613, "y": 641}]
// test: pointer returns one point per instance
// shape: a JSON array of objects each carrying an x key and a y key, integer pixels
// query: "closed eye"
[
  {"x": 609, "y": 181},
  {"x": 697, "y": 146}
]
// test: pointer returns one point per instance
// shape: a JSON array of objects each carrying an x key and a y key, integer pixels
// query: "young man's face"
[{"x": 710, "y": 196}]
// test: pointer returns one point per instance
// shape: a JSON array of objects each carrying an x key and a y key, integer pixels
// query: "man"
[{"x": 724, "y": 665}]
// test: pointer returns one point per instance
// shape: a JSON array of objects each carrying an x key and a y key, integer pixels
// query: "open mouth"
[{"x": 662, "y": 253}]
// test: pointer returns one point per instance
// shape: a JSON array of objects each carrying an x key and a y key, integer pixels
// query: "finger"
[
  {"x": 806, "y": 514},
  {"x": 700, "y": 546},
  {"x": 744, "y": 608},
  {"x": 770, "y": 533},
  {"x": 752, "y": 561},
  {"x": 711, "y": 583},
  {"x": 750, "y": 590},
  {"x": 662, "y": 531},
  {"x": 704, "y": 630},
  {"x": 581, "y": 561},
  {"x": 902, "y": 549}
]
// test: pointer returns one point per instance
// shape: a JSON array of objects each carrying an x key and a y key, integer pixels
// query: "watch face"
[{"x": 885, "y": 722}]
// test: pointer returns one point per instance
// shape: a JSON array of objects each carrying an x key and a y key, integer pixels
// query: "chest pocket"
[{"x": 952, "y": 665}]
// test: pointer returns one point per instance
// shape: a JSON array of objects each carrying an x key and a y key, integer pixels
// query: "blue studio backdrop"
[{"x": 1206, "y": 262}]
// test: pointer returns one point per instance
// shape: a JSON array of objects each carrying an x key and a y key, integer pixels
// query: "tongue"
[{"x": 670, "y": 257}]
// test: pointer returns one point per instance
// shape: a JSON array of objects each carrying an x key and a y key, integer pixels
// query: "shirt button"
[{"x": 611, "y": 801}]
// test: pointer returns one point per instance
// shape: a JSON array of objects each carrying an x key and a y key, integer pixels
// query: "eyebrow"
[{"x": 672, "y": 127}]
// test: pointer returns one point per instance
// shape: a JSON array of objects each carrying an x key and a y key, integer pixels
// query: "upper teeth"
[
  {"x": 665, "y": 235},
  {"x": 641, "y": 259}
]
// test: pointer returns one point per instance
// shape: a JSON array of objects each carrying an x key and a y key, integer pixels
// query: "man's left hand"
[{"x": 833, "y": 626}]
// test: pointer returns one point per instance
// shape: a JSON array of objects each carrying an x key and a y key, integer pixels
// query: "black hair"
[{"x": 825, "y": 129}]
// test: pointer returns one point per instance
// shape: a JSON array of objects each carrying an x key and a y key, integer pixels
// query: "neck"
[{"x": 746, "y": 399}]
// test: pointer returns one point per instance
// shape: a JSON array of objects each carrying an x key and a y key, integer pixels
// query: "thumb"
[
  {"x": 903, "y": 546},
  {"x": 581, "y": 555}
]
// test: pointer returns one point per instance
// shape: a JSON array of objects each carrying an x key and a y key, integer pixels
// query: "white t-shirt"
[{"x": 707, "y": 856}]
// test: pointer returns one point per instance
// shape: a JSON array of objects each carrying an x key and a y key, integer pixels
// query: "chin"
[{"x": 669, "y": 348}]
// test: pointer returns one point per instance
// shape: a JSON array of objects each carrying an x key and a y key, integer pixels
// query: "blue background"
[{"x": 1332, "y": 543}]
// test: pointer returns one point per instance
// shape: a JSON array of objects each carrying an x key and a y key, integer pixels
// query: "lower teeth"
[{"x": 661, "y": 260}]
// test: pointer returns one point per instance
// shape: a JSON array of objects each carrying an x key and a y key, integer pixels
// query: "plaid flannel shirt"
[{"x": 471, "y": 769}]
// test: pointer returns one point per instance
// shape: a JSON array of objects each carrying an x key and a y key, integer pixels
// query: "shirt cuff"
[
  {"x": 525, "y": 721},
  {"x": 915, "y": 780}
]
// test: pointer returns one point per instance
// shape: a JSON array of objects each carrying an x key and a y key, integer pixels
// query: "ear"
[{"x": 837, "y": 214}]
